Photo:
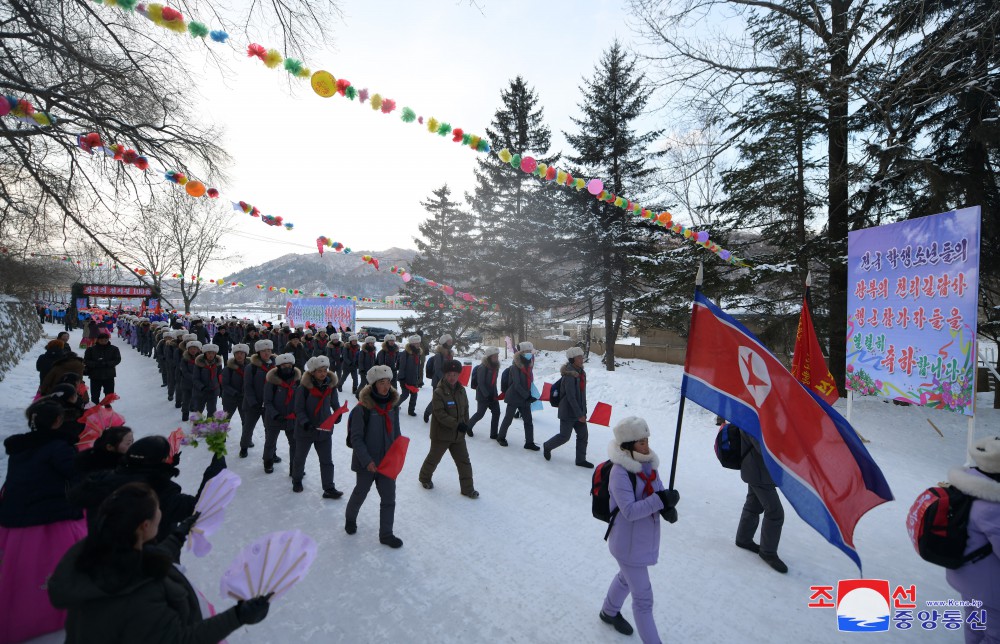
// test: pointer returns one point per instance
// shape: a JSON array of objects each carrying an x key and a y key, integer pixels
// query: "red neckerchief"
[
  {"x": 493, "y": 380},
  {"x": 322, "y": 395},
  {"x": 384, "y": 413},
  {"x": 527, "y": 374},
  {"x": 583, "y": 381},
  {"x": 648, "y": 480},
  {"x": 289, "y": 394},
  {"x": 393, "y": 353}
]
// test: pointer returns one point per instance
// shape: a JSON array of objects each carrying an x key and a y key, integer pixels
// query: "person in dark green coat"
[
  {"x": 118, "y": 589},
  {"x": 449, "y": 427}
]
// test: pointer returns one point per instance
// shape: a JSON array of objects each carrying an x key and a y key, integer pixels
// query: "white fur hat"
[
  {"x": 370, "y": 339},
  {"x": 491, "y": 351},
  {"x": 525, "y": 347},
  {"x": 262, "y": 345},
  {"x": 445, "y": 339},
  {"x": 413, "y": 339},
  {"x": 241, "y": 347},
  {"x": 284, "y": 358},
  {"x": 574, "y": 352},
  {"x": 193, "y": 343},
  {"x": 986, "y": 454},
  {"x": 389, "y": 338},
  {"x": 352, "y": 338},
  {"x": 630, "y": 429},
  {"x": 379, "y": 372},
  {"x": 189, "y": 336},
  {"x": 317, "y": 362},
  {"x": 214, "y": 348}
]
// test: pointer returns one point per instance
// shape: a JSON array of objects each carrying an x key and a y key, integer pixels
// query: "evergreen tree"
[
  {"x": 620, "y": 254},
  {"x": 447, "y": 237},
  {"x": 513, "y": 255}
]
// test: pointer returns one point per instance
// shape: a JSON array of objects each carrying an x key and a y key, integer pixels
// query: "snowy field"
[{"x": 526, "y": 561}]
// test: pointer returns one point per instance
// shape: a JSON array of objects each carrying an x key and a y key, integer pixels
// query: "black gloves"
[
  {"x": 669, "y": 498},
  {"x": 463, "y": 428},
  {"x": 531, "y": 399},
  {"x": 307, "y": 427},
  {"x": 184, "y": 527},
  {"x": 253, "y": 611}
]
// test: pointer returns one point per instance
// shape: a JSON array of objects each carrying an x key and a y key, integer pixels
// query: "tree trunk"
[
  {"x": 590, "y": 328},
  {"x": 838, "y": 192}
]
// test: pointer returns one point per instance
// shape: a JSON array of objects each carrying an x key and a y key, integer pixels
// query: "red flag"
[
  {"x": 810, "y": 450},
  {"x": 601, "y": 414},
  {"x": 465, "y": 375},
  {"x": 175, "y": 439},
  {"x": 808, "y": 364},
  {"x": 395, "y": 457},
  {"x": 546, "y": 391},
  {"x": 327, "y": 425}
]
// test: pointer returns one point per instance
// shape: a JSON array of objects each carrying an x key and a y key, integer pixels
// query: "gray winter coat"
[
  {"x": 410, "y": 366},
  {"x": 487, "y": 380},
  {"x": 206, "y": 377},
  {"x": 572, "y": 393},
  {"x": 279, "y": 394},
  {"x": 315, "y": 402},
  {"x": 370, "y": 440},
  {"x": 436, "y": 364},
  {"x": 753, "y": 471},
  {"x": 521, "y": 377},
  {"x": 232, "y": 378}
]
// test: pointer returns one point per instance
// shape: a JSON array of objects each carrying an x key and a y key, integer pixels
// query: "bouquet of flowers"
[{"x": 213, "y": 430}]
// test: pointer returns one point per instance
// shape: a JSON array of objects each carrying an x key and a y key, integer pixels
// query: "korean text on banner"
[
  {"x": 321, "y": 311},
  {"x": 912, "y": 303}
]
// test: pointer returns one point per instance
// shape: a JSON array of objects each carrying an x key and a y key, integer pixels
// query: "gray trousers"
[
  {"x": 762, "y": 498},
  {"x": 529, "y": 425},
  {"x": 250, "y": 415},
  {"x": 387, "y": 492},
  {"x": 406, "y": 394},
  {"x": 323, "y": 443},
  {"x": 272, "y": 428},
  {"x": 483, "y": 406},
  {"x": 566, "y": 427}
]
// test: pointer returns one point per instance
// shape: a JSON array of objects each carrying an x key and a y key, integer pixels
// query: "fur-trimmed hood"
[
  {"x": 629, "y": 461},
  {"x": 521, "y": 363},
  {"x": 366, "y": 400},
  {"x": 309, "y": 382},
  {"x": 257, "y": 362},
  {"x": 273, "y": 378},
  {"x": 569, "y": 370},
  {"x": 335, "y": 344},
  {"x": 386, "y": 347},
  {"x": 232, "y": 364},
  {"x": 414, "y": 349},
  {"x": 486, "y": 362},
  {"x": 200, "y": 361},
  {"x": 444, "y": 351},
  {"x": 974, "y": 483}
]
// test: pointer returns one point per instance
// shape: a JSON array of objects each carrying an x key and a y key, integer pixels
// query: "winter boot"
[
  {"x": 532, "y": 447},
  {"x": 296, "y": 486},
  {"x": 750, "y": 545},
  {"x": 618, "y": 622},
  {"x": 586, "y": 464},
  {"x": 774, "y": 562},
  {"x": 392, "y": 541},
  {"x": 268, "y": 467},
  {"x": 350, "y": 527},
  {"x": 332, "y": 493},
  {"x": 243, "y": 452}
]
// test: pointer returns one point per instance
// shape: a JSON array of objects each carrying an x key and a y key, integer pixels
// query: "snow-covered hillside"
[{"x": 526, "y": 561}]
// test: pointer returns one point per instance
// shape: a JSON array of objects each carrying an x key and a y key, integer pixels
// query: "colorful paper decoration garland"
[{"x": 23, "y": 110}]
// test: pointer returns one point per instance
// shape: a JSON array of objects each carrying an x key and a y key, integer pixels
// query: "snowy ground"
[{"x": 526, "y": 562}]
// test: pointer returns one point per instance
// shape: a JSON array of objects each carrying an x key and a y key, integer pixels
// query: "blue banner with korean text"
[{"x": 911, "y": 310}]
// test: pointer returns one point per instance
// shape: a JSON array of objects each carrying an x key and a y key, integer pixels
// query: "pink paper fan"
[
  {"x": 271, "y": 564},
  {"x": 219, "y": 491}
]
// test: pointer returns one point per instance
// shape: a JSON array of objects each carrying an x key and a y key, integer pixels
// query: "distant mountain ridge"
[{"x": 308, "y": 272}]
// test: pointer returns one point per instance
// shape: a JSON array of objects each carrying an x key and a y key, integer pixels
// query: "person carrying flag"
[{"x": 762, "y": 497}]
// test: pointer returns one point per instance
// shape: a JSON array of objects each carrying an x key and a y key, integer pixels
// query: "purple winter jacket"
[
  {"x": 979, "y": 580},
  {"x": 635, "y": 536}
]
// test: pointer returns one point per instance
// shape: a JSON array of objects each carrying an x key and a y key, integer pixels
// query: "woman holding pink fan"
[{"x": 120, "y": 588}]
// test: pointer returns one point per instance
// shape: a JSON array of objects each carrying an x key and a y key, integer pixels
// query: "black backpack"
[
  {"x": 729, "y": 446},
  {"x": 600, "y": 496},
  {"x": 429, "y": 366},
  {"x": 505, "y": 380},
  {"x": 365, "y": 412},
  {"x": 554, "y": 392},
  {"x": 938, "y": 523},
  {"x": 472, "y": 379}
]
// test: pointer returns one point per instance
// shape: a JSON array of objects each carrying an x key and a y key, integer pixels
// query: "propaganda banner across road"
[
  {"x": 113, "y": 290},
  {"x": 911, "y": 310},
  {"x": 321, "y": 311}
]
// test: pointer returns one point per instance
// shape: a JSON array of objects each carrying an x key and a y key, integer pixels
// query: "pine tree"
[
  {"x": 447, "y": 237},
  {"x": 620, "y": 255},
  {"x": 514, "y": 216}
]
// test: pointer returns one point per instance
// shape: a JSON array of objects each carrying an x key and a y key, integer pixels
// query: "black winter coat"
[
  {"x": 410, "y": 366},
  {"x": 279, "y": 394},
  {"x": 753, "y": 471},
  {"x": 223, "y": 341},
  {"x": 142, "y": 597},
  {"x": 100, "y": 362},
  {"x": 253, "y": 381},
  {"x": 315, "y": 402},
  {"x": 367, "y": 358},
  {"x": 389, "y": 358},
  {"x": 206, "y": 380},
  {"x": 232, "y": 378},
  {"x": 39, "y": 467},
  {"x": 487, "y": 378}
]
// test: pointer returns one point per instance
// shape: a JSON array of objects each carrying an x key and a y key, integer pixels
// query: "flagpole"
[{"x": 698, "y": 280}]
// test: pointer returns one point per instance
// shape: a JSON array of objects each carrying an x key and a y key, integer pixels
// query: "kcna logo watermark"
[{"x": 867, "y": 606}]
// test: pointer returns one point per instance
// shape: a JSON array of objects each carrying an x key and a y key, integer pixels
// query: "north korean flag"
[{"x": 813, "y": 454}]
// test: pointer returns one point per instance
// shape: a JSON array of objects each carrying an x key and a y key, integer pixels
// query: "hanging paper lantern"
[
  {"x": 212, "y": 193},
  {"x": 4, "y": 107},
  {"x": 595, "y": 187},
  {"x": 528, "y": 165},
  {"x": 324, "y": 84},
  {"x": 550, "y": 173},
  {"x": 260, "y": 287},
  {"x": 504, "y": 155},
  {"x": 195, "y": 188},
  {"x": 724, "y": 254},
  {"x": 407, "y": 277},
  {"x": 664, "y": 218},
  {"x": 702, "y": 236}
]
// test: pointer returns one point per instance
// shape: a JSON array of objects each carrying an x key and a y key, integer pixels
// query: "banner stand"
[{"x": 972, "y": 419}]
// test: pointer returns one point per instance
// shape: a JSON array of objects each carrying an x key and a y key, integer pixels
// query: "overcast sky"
[{"x": 336, "y": 168}]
